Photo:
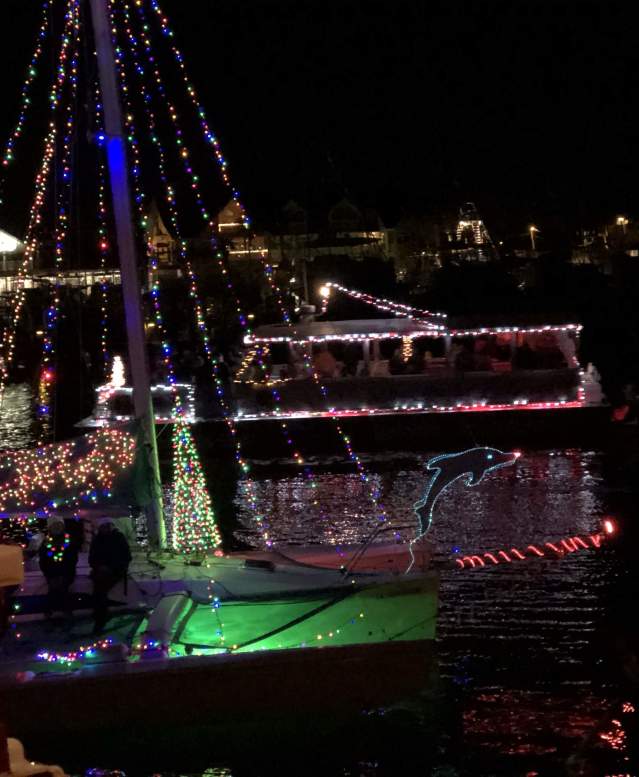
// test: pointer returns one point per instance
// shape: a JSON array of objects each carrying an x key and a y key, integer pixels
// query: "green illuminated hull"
[
  {"x": 402, "y": 610},
  {"x": 253, "y": 661}
]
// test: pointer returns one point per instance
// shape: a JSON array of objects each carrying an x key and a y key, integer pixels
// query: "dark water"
[
  {"x": 529, "y": 668},
  {"x": 526, "y": 666},
  {"x": 16, "y": 417}
]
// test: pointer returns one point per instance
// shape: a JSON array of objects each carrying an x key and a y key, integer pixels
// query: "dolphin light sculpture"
[{"x": 473, "y": 465}]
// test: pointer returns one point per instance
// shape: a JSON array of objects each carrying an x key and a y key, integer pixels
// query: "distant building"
[
  {"x": 164, "y": 245},
  {"x": 310, "y": 241},
  {"x": 241, "y": 242},
  {"x": 623, "y": 235},
  {"x": 345, "y": 230},
  {"x": 470, "y": 240},
  {"x": 470, "y": 228},
  {"x": 425, "y": 243}
]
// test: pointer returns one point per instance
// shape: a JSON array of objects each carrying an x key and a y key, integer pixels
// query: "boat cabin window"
[
  {"x": 397, "y": 356},
  {"x": 545, "y": 351},
  {"x": 506, "y": 352}
]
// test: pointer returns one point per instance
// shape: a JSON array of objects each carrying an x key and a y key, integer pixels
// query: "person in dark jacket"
[
  {"x": 109, "y": 558},
  {"x": 58, "y": 555}
]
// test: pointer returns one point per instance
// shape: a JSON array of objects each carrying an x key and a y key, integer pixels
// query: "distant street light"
[
  {"x": 532, "y": 229},
  {"x": 622, "y": 222},
  {"x": 325, "y": 292}
]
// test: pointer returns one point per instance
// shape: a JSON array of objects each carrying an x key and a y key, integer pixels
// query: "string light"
[
  {"x": 47, "y": 370},
  {"x": 185, "y": 155},
  {"x": 56, "y": 551},
  {"x": 418, "y": 331},
  {"x": 194, "y": 528},
  {"x": 73, "y": 656},
  {"x": 40, "y": 188},
  {"x": 413, "y": 409},
  {"x": 557, "y": 549},
  {"x": 208, "y": 134},
  {"x": 132, "y": 49},
  {"x": 397, "y": 308},
  {"x": 67, "y": 473},
  {"x": 104, "y": 247},
  {"x": 25, "y": 95}
]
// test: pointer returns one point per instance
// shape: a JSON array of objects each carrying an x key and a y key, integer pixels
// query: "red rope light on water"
[{"x": 560, "y": 548}]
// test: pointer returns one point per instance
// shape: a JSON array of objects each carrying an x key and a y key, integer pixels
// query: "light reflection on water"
[
  {"x": 16, "y": 417},
  {"x": 515, "y": 639}
]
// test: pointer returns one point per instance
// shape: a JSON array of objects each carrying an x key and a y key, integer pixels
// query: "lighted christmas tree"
[
  {"x": 118, "y": 378},
  {"x": 194, "y": 526}
]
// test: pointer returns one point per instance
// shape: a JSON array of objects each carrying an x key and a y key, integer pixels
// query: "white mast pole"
[{"x": 118, "y": 173}]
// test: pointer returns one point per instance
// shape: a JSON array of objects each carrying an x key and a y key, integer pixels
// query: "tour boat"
[
  {"x": 405, "y": 365},
  {"x": 408, "y": 382}
]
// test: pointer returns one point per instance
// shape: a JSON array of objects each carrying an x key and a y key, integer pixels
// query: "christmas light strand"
[
  {"x": 47, "y": 369},
  {"x": 104, "y": 248},
  {"x": 40, "y": 189},
  {"x": 194, "y": 527},
  {"x": 208, "y": 134},
  {"x": 25, "y": 95},
  {"x": 56, "y": 551},
  {"x": 68, "y": 473},
  {"x": 268, "y": 271},
  {"x": 73, "y": 656},
  {"x": 480, "y": 406},
  {"x": 354, "y": 458},
  {"x": 170, "y": 199},
  {"x": 184, "y": 154},
  {"x": 185, "y": 157},
  {"x": 388, "y": 305},
  {"x": 418, "y": 332},
  {"x": 140, "y": 198},
  {"x": 557, "y": 549}
]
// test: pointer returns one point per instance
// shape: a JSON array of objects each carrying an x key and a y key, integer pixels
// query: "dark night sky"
[{"x": 528, "y": 108}]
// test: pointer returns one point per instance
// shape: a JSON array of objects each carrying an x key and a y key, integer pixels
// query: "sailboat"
[
  {"x": 263, "y": 630},
  {"x": 257, "y": 629}
]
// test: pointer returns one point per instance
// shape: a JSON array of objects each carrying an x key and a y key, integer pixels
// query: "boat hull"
[
  {"x": 246, "y": 688},
  {"x": 291, "y": 637},
  {"x": 417, "y": 431}
]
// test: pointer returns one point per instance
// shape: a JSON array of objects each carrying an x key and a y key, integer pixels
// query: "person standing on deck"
[
  {"x": 109, "y": 558},
  {"x": 58, "y": 556}
]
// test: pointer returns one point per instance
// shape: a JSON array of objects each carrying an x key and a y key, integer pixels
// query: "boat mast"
[{"x": 118, "y": 173}]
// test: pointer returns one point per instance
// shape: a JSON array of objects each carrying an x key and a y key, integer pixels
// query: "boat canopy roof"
[
  {"x": 387, "y": 328},
  {"x": 360, "y": 329}
]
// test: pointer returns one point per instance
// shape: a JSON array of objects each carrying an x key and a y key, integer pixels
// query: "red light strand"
[{"x": 568, "y": 545}]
